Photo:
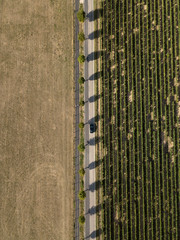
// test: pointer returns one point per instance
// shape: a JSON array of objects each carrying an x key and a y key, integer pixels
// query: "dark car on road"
[{"x": 91, "y": 127}]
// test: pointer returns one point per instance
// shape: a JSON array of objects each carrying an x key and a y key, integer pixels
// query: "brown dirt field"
[{"x": 36, "y": 123}]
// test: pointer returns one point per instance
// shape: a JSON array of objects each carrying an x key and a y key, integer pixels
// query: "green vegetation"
[
  {"x": 139, "y": 119},
  {"x": 81, "y": 147},
  {"x": 81, "y": 58},
  {"x": 81, "y": 125},
  {"x": 81, "y": 103},
  {"x": 81, "y": 14},
  {"x": 82, "y": 195},
  {"x": 81, "y": 37},
  {"x": 81, "y": 80},
  {"x": 81, "y": 172},
  {"x": 81, "y": 219},
  {"x": 82, "y": 184},
  {"x": 81, "y": 159}
]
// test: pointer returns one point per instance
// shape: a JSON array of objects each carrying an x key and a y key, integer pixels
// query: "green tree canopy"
[
  {"x": 81, "y": 172},
  {"x": 81, "y": 80},
  {"x": 82, "y": 195},
  {"x": 81, "y": 14},
  {"x": 81, "y": 37},
  {"x": 81, "y": 58},
  {"x": 81, "y": 219},
  {"x": 81, "y": 103},
  {"x": 81, "y": 125},
  {"x": 81, "y": 147}
]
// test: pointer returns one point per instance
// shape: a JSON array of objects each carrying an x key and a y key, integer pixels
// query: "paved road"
[
  {"x": 90, "y": 202},
  {"x": 76, "y": 77}
]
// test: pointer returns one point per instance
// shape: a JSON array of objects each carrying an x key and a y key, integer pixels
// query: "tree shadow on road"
[
  {"x": 94, "y": 141},
  {"x": 94, "y": 164},
  {"x": 94, "y": 56},
  {"x": 94, "y": 15},
  {"x": 94, "y": 119},
  {"x": 95, "y": 76},
  {"x": 94, "y": 186},
  {"x": 94, "y": 98},
  {"x": 95, "y": 34},
  {"x": 95, "y": 234},
  {"x": 94, "y": 210}
]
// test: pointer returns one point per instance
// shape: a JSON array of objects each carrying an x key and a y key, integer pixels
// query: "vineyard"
[{"x": 138, "y": 81}]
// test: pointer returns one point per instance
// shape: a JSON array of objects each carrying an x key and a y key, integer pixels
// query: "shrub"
[
  {"x": 81, "y": 58},
  {"x": 81, "y": 147},
  {"x": 82, "y": 195},
  {"x": 81, "y": 219},
  {"x": 81, "y": 172},
  {"x": 81, "y": 125},
  {"x": 81, "y": 14},
  {"x": 81, "y": 159},
  {"x": 81, "y": 37},
  {"x": 81, "y": 80},
  {"x": 81, "y": 89},
  {"x": 82, "y": 184},
  {"x": 81, "y": 103}
]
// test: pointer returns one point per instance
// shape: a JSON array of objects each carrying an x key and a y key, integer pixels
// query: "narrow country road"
[
  {"x": 76, "y": 77},
  {"x": 90, "y": 201}
]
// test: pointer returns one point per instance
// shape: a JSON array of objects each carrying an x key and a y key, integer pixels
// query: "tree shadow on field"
[
  {"x": 95, "y": 34},
  {"x": 95, "y": 76},
  {"x": 94, "y": 15},
  {"x": 94, "y": 56}
]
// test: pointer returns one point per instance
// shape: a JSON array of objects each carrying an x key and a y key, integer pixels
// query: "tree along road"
[
  {"x": 76, "y": 77},
  {"x": 90, "y": 201}
]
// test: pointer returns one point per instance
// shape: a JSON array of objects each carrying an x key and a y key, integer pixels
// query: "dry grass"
[{"x": 36, "y": 124}]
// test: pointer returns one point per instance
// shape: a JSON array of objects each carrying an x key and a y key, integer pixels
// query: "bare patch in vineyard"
[
  {"x": 145, "y": 7},
  {"x": 179, "y": 109},
  {"x": 152, "y": 115},
  {"x": 130, "y": 97}
]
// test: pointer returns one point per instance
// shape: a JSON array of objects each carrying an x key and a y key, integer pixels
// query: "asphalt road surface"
[
  {"x": 76, "y": 77},
  {"x": 90, "y": 201}
]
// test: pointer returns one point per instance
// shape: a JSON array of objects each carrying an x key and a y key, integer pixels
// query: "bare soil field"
[{"x": 36, "y": 123}]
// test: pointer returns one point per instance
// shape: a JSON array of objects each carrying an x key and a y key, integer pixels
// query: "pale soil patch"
[
  {"x": 168, "y": 140},
  {"x": 112, "y": 55},
  {"x": 152, "y": 115},
  {"x": 130, "y": 96},
  {"x": 175, "y": 97},
  {"x": 114, "y": 66},
  {"x": 157, "y": 27},
  {"x": 36, "y": 124},
  {"x": 129, "y": 136},
  {"x": 179, "y": 109},
  {"x": 176, "y": 83},
  {"x": 145, "y": 7}
]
